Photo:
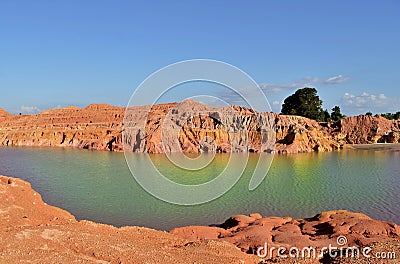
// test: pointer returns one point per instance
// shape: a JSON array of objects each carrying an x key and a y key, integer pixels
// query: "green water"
[{"x": 98, "y": 186}]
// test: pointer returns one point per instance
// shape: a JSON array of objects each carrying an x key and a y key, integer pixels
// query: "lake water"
[{"x": 98, "y": 186}]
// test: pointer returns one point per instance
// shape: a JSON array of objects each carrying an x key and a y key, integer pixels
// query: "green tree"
[
  {"x": 304, "y": 102},
  {"x": 389, "y": 116},
  {"x": 327, "y": 116},
  {"x": 336, "y": 115},
  {"x": 368, "y": 113}
]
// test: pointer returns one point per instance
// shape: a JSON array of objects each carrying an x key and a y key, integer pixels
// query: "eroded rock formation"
[
  {"x": 97, "y": 127},
  {"x": 189, "y": 126},
  {"x": 295, "y": 134},
  {"x": 364, "y": 129},
  {"x": 3, "y": 114},
  {"x": 252, "y": 232}
]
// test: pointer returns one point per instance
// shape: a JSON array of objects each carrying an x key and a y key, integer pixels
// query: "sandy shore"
[{"x": 376, "y": 146}]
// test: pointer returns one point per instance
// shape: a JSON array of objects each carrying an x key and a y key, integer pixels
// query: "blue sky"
[{"x": 59, "y": 53}]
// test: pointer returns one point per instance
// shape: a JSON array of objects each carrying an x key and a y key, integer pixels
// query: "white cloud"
[
  {"x": 376, "y": 103},
  {"x": 276, "y": 105},
  {"x": 275, "y": 91},
  {"x": 336, "y": 79},
  {"x": 306, "y": 81},
  {"x": 283, "y": 87},
  {"x": 29, "y": 109}
]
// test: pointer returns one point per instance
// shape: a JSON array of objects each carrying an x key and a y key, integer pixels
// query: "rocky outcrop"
[
  {"x": 3, "y": 114},
  {"x": 295, "y": 134},
  {"x": 194, "y": 127},
  {"x": 97, "y": 126},
  {"x": 391, "y": 137},
  {"x": 34, "y": 232},
  {"x": 189, "y": 127},
  {"x": 364, "y": 129},
  {"x": 249, "y": 233}
]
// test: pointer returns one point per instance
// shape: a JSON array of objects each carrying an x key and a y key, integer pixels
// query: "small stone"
[{"x": 256, "y": 216}]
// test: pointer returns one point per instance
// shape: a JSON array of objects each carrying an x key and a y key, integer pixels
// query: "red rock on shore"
[{"x": 250, "y": 233}]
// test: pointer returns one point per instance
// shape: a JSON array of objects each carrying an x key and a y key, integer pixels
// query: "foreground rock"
[
  {"x": 251, "y": 232},
  {"x": 191, "y": 127},
  {"x": 31, "y": 231}
]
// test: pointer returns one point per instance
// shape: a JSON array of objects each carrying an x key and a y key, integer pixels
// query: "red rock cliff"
[
  {"x": 365, "y": 129},
  {"x": 197, "y": 127},
  {"x": 93, "y": 127},
  {"x": 3, "y": 114}
]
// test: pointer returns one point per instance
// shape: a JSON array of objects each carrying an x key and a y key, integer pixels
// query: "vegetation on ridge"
[{"x": 305, "y": 102}]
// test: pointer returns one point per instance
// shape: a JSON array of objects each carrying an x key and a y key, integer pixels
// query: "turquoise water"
[{"x": 98, "y": 186}]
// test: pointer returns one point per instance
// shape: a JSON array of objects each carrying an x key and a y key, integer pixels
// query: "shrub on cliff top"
[
  {"x": 336, "y": 114},
  {"x": 391, "y": 116}
]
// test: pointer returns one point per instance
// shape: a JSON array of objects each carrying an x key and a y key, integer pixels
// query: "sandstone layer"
[
  {"x": 366, "y": 129},
  {"x": 93, "y": 127},
  {"x": 32, "y": 231},
  {"x": 3, "y": 114},
  {"x": 190, "y": 127}
]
